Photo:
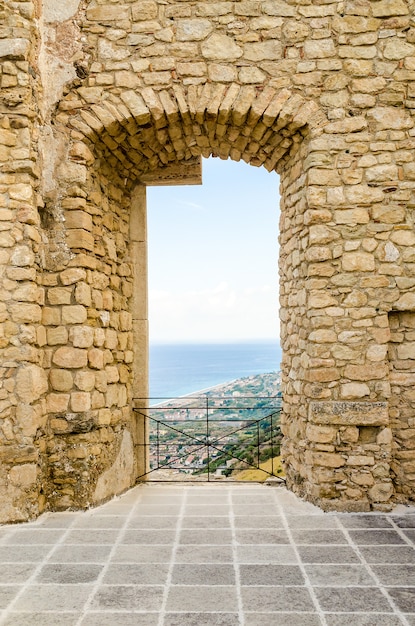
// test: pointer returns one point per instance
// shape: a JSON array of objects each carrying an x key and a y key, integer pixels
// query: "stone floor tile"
[
  {"x": 69, "y": 573},
  {"x": 41, "y": 619},
  {"x": 130, "y": 553},
  {"x": 270, "y": 574},
  {"x": 395, "y": 575},
  {"x": 25, "y": 536},
  {"x": 58, "y": 520},
  {"x": 410, "y": 534},
  {"x": 149, "y": 537},
  {"x": 362, "y": 619},
  {"x": 99, "y": 522},
  {"x": 206, "y": 574},
  {"x": 199, "y": 619},
  {"x": 312, "y": 522},
  {"x": 375, "y": 537},
  {"x": 16, "y": 572},
  {"x": 282, "y": 619},
  {"x": 266, "y": 599},
  {"x": 80, "y": 554},
  {"x": 207, "y": 499},
  {"x": 128, "y": 598},
  {"x": 204, "y": 554},
  {"x": 266, "y": 536},
  {"x": 407, "y": 521},
  {"x": 158, "y": 509},
  {"x": 325, "y": 574},
  {"x": 152, "y": 522},
  {"x": 266, "y": 554},
  {"x": 388, "y": 554},
  {"x": 114, "y": 508},
  {"x": 26, "y": 554},
  {"x": 352, "y": 599},
  {"x": 136, "y": 574},
  {"x": 404, "y": 598},
  {"x": 7, "y": 594},
  {"x": 120, "y": 619},
  {"x": 209, "y": 522},
  {"x": 209, "y": 510},
  {"x": 244, "y": 509},
  {"x": 201, "y": 599},
  {"x": 91, "y": 537},
  {"x": 203, "y": 536},
  {"x": 372, "y": 520},
  {"x": 327, "y": 554},
  {"x": 410, "y": 619},
  {"x": 258, "y": 522},
  {"x": 39, "y": 598},
  {"x": 323, "y": 536}
]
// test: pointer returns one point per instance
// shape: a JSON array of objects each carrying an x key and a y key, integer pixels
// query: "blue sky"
[{"x": 213, "y": 256}]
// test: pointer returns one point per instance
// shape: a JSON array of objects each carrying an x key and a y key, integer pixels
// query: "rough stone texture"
[{"x": 99, "y": 97}]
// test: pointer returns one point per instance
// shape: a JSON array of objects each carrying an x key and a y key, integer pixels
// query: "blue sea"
[{"x": 179, "y": 369}]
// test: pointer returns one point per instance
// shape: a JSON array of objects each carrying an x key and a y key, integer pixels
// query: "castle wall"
[{"x": 100, "y": 97}]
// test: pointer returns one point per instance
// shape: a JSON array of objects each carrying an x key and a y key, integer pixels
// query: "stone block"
[
  {"x": 70, "y": 358},
  {"x": 74, "y": 314},
  {"x": 80, "y": 401},
  {"x": 61, "y": 380},
  {"x": 82, "y": 336},
  {"x": 349, "y": 413}
]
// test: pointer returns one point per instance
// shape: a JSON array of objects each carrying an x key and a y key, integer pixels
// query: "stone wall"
[{"x": 102, "y": 97}]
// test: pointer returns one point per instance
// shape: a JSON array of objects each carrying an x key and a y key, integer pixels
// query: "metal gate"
[{"x": 205, "y": 438}]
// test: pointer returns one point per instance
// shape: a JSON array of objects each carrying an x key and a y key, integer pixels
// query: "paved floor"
[{"x": 202, "y": 555}]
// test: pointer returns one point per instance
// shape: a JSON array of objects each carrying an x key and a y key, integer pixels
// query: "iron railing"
[{"x": 206, "y": 437}]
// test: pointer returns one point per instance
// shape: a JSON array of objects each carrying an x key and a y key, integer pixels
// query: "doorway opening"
[{"x": 213, "y": 324}]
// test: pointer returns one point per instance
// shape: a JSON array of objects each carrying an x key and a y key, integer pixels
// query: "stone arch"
[{"x": 146, "y": 136}]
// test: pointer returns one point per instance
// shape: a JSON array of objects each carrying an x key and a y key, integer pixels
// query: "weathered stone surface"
[
  {"x": 349, "y": 413},
  {"x": 134, "y": 93}
]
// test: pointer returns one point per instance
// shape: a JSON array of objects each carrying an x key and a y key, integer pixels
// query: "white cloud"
[{"x": 219, "y": 312}]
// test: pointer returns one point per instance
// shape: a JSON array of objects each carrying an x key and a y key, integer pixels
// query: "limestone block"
[
  {"x": 403, "y": 237},
  {"x": 85, "y": 380},
  {"x": 59, "y": 295},
  {"x": 82, "y": 336},
  {"x": 144, "y": 10},
  {"x": 366, "y": 372},
  {"x": 14, "y": 48},
  {"x": 80, "y": 401},
  {"x": 61, "y": 380},
  {"x": 23, "y": 476},
  {"x": 321, "y": 434},
  {"x": 390, "y": 118},
  {"x": 79, "y": 238},
  {"x": 22, "y": 256},
  {"x": 31, "y": 383},
  {"x": 96, "y": 358},
  {"x": 406, "y": 350},
  {"x": 381, "y": 492},
  {"x": 388, "y": 214},
  {"x": 23, "y": 313},
  {"x": 264, "y": 50},
  {"x": 351, "y": 391},
  {"x": 324, "y": 459},
  {"x": 67, "y": 357},
  {"x": 221, "y": 48},
  {"x": 358, "y": 262},
  {"x": 319, "y": 48},
  {"x": 320, "y": 300},
  {"x": 193, "y": 29},
  {"x": 57, "y": 336},
  {"x": 389, "y": 8},
  {"x": 349, "y": 413},
  {"x": 405, "y": 303},
  {"x": 74, "y": 314},
  {"x": 57, "y": 402},
  {"x": 78, "y": 219},
  {"x": 109, "y": 13}
]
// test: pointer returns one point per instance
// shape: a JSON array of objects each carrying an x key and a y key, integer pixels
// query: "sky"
[{"x": 213, "y": 256}]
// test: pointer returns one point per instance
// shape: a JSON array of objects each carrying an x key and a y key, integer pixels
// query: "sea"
[{"x": 177, "y": 369}]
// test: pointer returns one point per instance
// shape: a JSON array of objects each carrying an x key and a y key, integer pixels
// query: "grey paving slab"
[{"x": 216, "y": 555}]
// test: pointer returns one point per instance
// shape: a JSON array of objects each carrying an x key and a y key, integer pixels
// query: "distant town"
[{"x": 217, "y": 433}]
